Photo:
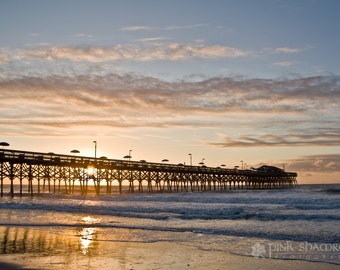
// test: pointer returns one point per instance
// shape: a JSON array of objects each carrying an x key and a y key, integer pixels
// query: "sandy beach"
[{"x": 159, "y": 255}]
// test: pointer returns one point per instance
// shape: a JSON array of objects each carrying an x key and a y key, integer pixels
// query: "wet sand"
[{"x": 158, "y": 255}]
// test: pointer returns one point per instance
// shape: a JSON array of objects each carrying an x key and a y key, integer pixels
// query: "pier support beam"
[{"x": 2, "y": 180}]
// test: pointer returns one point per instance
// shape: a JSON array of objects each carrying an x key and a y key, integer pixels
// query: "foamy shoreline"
[
  {"x": 158, "y": 255},
  {"x": 173, "y": 231}
]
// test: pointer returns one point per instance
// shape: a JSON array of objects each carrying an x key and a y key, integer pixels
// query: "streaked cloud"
[
  {"x": 170, "y": 28},
  {"x": 152, "y": 49},
  {"x": 160, "y": 51},
  {"x": 280, "y": 140},
  {"x": 285, "y": 50},
  {"x": 136, "y": 28},
  {"x": 329, "y": 163},
  {"x": 152, "y": 39},
  {"x": 180, "y": 27},
  {"x": 83, "y": 35},
  {"x": 53, "y": 103},
  {"x": 284, "y": 64}
]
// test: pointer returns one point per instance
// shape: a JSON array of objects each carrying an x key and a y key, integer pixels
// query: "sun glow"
[{"x": 90, "y": 170}]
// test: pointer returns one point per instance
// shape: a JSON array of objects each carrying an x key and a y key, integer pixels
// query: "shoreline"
[
  {"x": 156, "y": 255},
  {"x": 261, "y": 230}
]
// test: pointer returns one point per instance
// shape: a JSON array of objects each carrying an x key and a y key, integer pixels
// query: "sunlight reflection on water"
[
  {"x": 90, "y": 220},
  {"x": 88, "y": 235},
  {"x": 86, "y": 238}
]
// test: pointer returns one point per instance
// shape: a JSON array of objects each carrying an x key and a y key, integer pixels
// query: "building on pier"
[{"x": 53, "y": 173}]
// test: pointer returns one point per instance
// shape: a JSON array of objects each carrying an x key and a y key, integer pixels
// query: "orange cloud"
[{"x": 304, "y": 108}]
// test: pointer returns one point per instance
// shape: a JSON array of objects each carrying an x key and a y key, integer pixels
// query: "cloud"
[
  {"x": 285, "y": 50},
  {"x": 316, "y": 163},
  {"x": 83, "y": 35},
  {"x": 152, "y": 39},
  {"x": 160, "y": 51},
  {"x": 3, "y": 58},
  {"x": 170, "y": 28},
  {"x": 269, "y": 140},
  {"x": 136, "y": 28},
  {"x": 284, "y": 64},
  {"x": 306, "y": 108},
  {"x": 181, "y": 27}
]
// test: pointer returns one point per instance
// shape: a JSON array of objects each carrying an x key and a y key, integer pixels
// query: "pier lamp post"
[
  {"x": 190, "y": 159},
  {"x": 242, "y": 164},
  {"x": 129, "y": 155},
  {"x": 95, "y": 149},
  {"x": 202, "y": 162}
]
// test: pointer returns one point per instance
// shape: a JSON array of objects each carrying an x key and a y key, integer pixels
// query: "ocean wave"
[
  {"x": 228, "y": 231},
  {"x": 308, "y": 213},
  {"x": 267, "y": 207},
  {"x": 192, "y": 211}
]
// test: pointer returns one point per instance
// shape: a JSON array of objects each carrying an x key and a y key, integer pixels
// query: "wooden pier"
[{"x": 37, "y": 173}]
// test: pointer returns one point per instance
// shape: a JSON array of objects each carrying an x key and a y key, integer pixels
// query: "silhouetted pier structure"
[{"x": 53, "y": 173}]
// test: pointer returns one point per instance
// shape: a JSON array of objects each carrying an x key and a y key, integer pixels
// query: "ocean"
[{"x": 290, "y": 224}]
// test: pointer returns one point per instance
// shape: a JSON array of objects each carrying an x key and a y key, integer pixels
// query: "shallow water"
[{"x": 302, "y": 223}]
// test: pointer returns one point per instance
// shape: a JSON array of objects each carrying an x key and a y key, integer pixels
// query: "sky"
[{"x": 247, "y": 82}]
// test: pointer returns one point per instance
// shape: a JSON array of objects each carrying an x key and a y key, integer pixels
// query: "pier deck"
[{"x": 54, "y": 173}]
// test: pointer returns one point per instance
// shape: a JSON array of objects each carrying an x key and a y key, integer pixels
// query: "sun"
[{"x": 90, "y": 170}]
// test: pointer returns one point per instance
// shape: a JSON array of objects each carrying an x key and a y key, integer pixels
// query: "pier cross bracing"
[{"x": 36, "y": 173}]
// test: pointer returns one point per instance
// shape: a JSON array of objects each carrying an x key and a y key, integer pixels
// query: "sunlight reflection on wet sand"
[
  {"x": 86, "y": 247},
  {"x": 51, "y": 248}
]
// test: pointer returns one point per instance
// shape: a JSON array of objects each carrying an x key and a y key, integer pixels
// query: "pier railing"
[{"x": 59, "y": 173}]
